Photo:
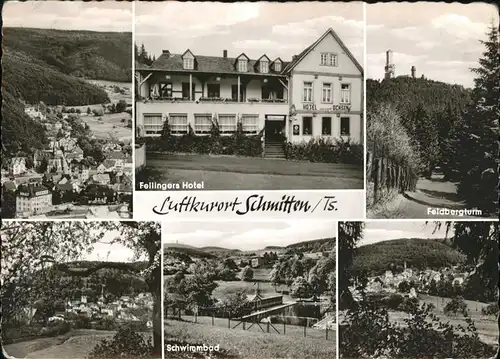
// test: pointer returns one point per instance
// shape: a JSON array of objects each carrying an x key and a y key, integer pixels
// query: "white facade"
[
  {"x": 318, "y": 94},
  {"x": 27, "y": 203},
  {"x": 327, "y": 94}
]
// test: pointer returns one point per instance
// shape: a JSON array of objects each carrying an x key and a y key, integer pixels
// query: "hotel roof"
[
  {"x": 220, "y": 64},
  {"x": 205, "y": 64}
]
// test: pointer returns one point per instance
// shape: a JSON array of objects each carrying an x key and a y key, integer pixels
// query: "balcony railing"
[{"x": 213, "y": 100}]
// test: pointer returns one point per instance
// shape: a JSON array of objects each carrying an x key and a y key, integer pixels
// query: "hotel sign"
[{"x": 333, "y": 109}]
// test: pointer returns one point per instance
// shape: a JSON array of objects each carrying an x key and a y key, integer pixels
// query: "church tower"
[{"x": 389, "y": 66}]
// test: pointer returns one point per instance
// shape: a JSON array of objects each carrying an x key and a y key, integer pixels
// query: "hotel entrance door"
[{"x": 275, "y": 128}]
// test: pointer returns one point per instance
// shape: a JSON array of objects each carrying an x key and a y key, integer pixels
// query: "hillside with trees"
[
  {"x": 86, "y": 54},
  {"x": 315, "y": 245},
  {"x": 32, "y": 82},
  {"x": 430, "y": 112},
  {"x": 373, "y": 259},
  {"x": 185, "y": 249},
  {"x": 19, "y": 131}
]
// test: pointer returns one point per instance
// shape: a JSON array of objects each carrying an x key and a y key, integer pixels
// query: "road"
[{"x": 434, "y": 193}]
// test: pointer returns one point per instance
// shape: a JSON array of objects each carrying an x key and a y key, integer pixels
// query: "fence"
[
  {"x": 385, "y": 173},
  {"x": 305, "y": 331}
]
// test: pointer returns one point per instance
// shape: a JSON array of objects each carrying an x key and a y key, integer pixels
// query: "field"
[
  {"x": 111, "y": 126},
  {"x": 251, "y": 344},
  {"x": 243, "y": 173},
  {"x": 74, "y": 345}
]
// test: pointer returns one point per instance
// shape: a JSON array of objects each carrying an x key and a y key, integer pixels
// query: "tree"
[
  {"x": 455, "y": 306},
  {"x": 235, "y": 303},
  {"x": 404, "y": 287},
  {"x": 479, "y": 172},
  {"x": 274, "y": 277},
  {"x": 350, "y": 233},
  {"x": 247, "y": 274},
  {"x": 26, "y": 246},
  {"x": 121, "y": 106},
  {"x": 44, "y": 163},
  {"x": 300, "y": 288}
]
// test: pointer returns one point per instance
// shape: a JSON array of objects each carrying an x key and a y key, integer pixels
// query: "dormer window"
[
  {"x": 188, "y": 64},
  {"x": 277, "y": 66},
  {"x": 242, "y": 65},
  {"x": 264, "y": 67},
  {"x": 188, "y": 60}
]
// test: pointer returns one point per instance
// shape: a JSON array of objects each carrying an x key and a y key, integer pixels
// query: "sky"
[
  {"x": 69, "y": 15},
  {"x": 247, "y": 235},
  {"x": 386, "y": 230},
  {"x": 109, "y": 252},
  {"x": 276, "y": 29},
  {"x": 441, "y": 40}
]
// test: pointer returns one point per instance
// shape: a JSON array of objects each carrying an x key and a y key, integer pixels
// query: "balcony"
[{"x": 211, "y": 105}]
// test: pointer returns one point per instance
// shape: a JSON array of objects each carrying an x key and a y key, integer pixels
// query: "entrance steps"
[{"x": 274, "y": 150}]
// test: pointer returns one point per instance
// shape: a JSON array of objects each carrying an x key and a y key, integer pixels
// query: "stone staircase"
[{"x": 274, "y": 149}]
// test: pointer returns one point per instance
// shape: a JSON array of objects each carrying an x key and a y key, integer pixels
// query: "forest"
[{"x": 417, "y": 253}]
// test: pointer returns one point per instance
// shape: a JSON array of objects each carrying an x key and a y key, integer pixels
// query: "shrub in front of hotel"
[
  {"x": 238, "y": 144},
  {"x": 325, "y": 150}
]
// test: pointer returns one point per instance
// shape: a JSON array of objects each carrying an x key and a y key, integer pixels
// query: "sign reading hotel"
[{"x": 333, "y": 109}]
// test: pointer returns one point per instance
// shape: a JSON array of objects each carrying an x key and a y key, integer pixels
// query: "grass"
[
  {"x": 74, "y": 345},
  {"x": 252, "y": 344},
  {"x": 246, "y": 173},
  {"x": 291, "y": 330}
]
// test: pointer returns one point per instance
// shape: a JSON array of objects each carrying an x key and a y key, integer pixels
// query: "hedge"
[
  {"x": 239, "y": 144},
  {"x": 325, "y": 150}
]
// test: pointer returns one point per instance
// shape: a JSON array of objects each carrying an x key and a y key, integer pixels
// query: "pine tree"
[{"x": 479, "y": 173}]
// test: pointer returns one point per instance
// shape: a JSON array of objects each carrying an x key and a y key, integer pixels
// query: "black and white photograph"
[
  {"x": 81, "y": 290},
  {"x": 67, "y": 110},
  {"x": 249, "y": 96},
  {"x": 432, "y": 99},
  {"x": 418, "y": 289},
  {"x": 250, "y": 290}
]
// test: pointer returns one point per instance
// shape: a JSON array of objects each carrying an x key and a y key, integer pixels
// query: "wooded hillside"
[{"x": 375, "y": 259}]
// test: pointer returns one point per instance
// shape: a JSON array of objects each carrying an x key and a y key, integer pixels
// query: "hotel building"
[
  {"x": 32, "y": 198},
  {"x": 317, "y": 94}
]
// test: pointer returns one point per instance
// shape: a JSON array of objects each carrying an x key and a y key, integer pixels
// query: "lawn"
[
  {"x": 252, "y": 344},
  {"x": 251, "y": 173}
]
